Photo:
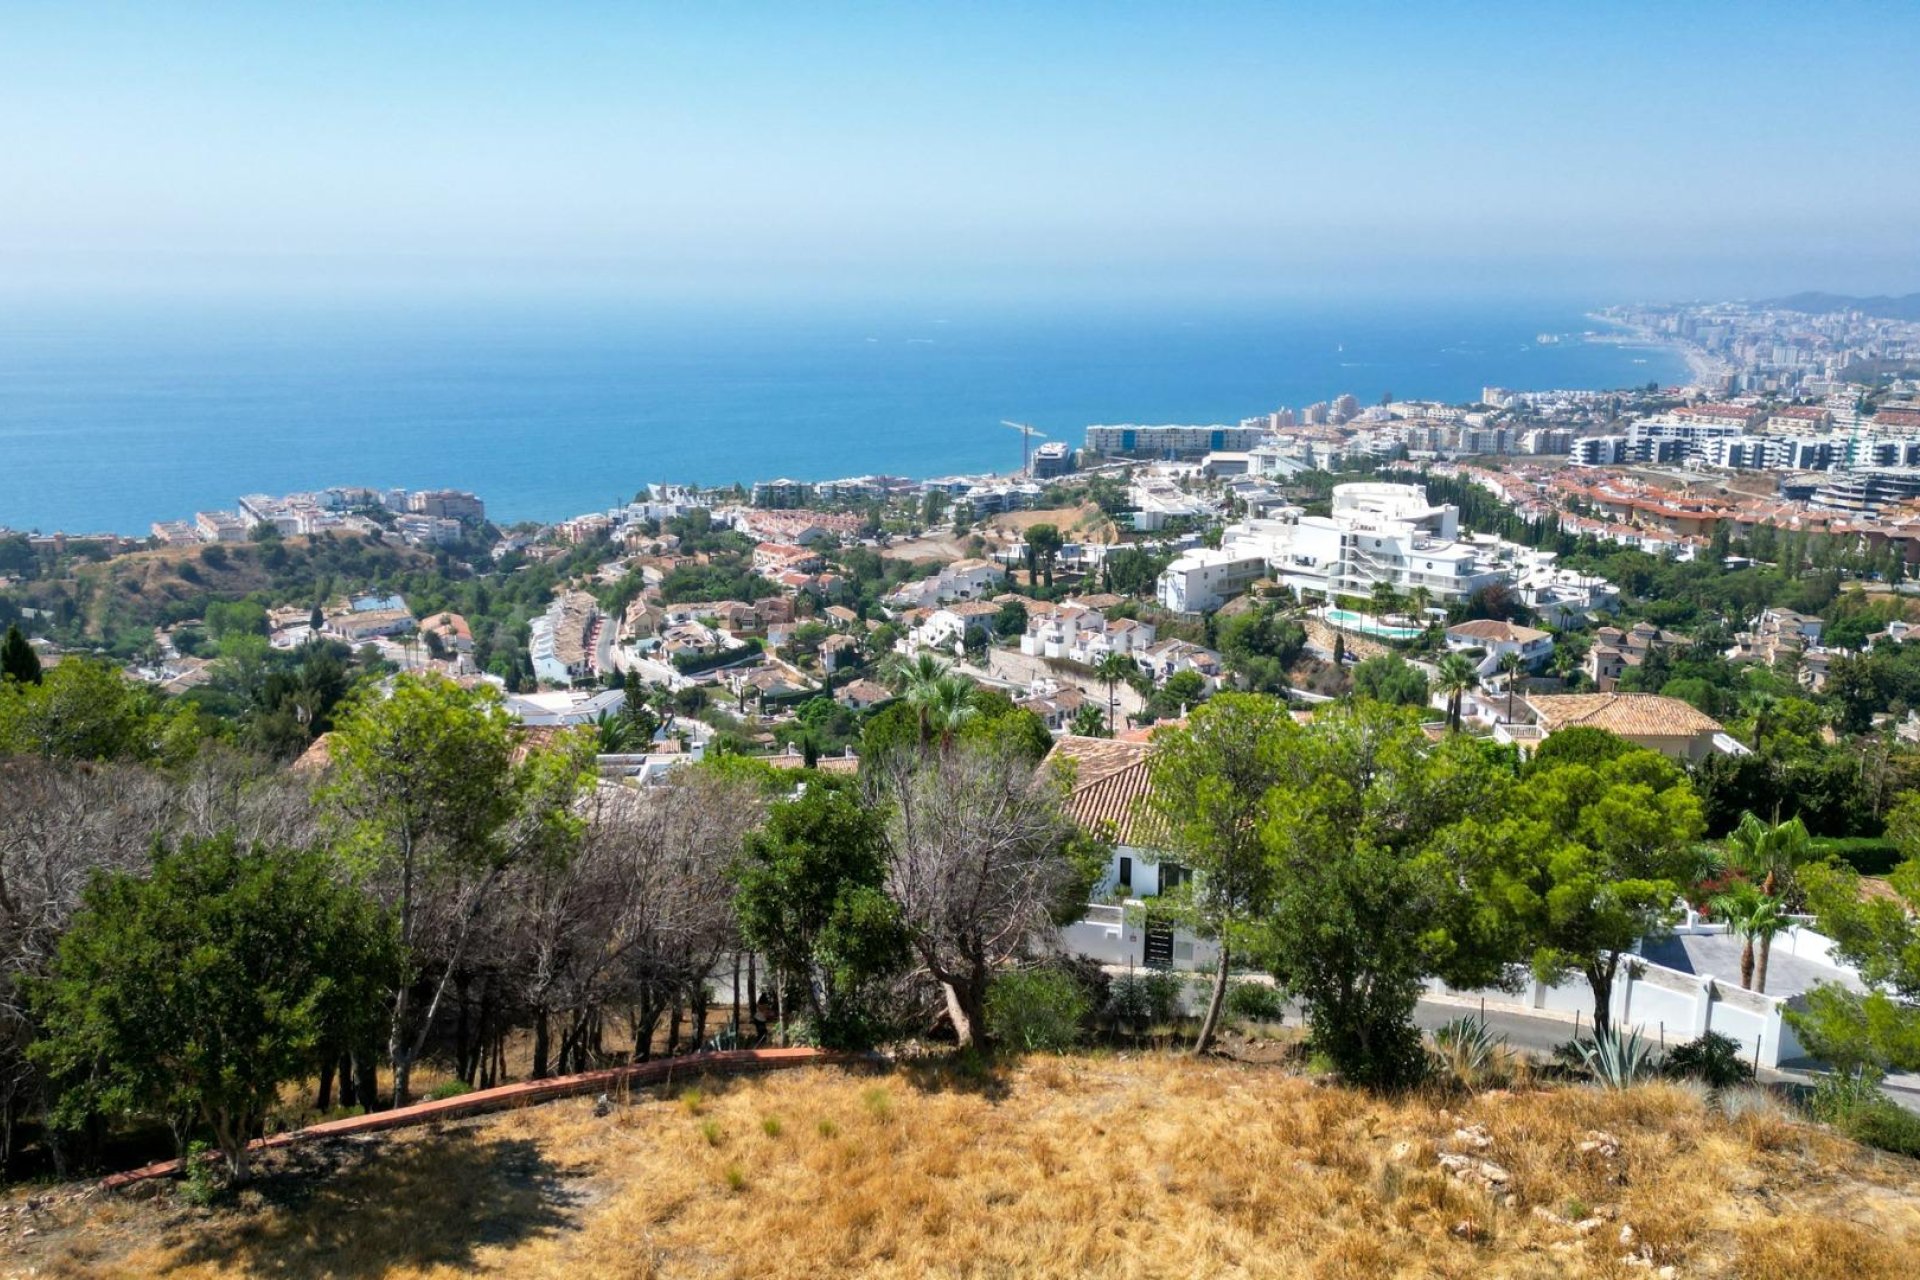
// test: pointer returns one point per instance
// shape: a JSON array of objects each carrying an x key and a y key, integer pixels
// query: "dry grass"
[{"x": 1108, "y": 1166}]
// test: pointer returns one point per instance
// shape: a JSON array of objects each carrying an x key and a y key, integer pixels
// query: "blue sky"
[{"x": 1026, "y": 152}]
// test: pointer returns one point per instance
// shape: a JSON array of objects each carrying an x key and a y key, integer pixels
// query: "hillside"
[
  {"x": 134, "y": 592},
  {"x": 1101, "y": 1165}
]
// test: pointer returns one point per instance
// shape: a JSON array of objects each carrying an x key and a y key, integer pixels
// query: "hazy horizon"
[{"x": 1114, "y": 153}]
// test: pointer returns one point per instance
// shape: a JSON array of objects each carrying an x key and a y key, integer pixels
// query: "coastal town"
[
  {"x": 1134, "y": 547},
  {"x": 1690, "y": 568}
]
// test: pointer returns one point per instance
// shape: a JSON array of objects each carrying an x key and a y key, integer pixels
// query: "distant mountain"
[{"x": 1885, "y": 307}]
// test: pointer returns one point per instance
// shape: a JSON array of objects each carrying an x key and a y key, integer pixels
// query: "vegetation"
[
  {"x": 1072, "y": 1166},
  {"x": 202, "y": 988}
]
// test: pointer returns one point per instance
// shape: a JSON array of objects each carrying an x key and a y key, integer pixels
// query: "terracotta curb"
[{"x": 726, "y": 1062}]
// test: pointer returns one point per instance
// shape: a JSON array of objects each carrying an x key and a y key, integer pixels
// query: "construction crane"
[{"x": 1027, "y": 434}]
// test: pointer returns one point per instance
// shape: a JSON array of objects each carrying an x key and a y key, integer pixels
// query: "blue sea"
[{"x": 112, "y": 417}]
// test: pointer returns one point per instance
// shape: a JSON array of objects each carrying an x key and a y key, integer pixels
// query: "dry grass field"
[{"x": 1100, "y": 1165}]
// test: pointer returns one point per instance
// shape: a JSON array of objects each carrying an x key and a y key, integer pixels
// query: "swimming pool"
[{"x": 1367, "y": 626}]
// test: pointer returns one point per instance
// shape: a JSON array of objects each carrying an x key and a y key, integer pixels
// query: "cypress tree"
[{"x": 18, "y": 661}]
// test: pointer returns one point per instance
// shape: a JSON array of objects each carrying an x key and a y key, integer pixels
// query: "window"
[{"x": 1172, "y": 876}]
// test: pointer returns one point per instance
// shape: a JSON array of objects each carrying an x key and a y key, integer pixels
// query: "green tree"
[
  {"x": 201, "y": 990},
  {"x": 1455, "y": 676},
  {"x": 1880, "y": 936},
  {"x": 1088, "y": 722},
  {"x": 1772, "y": 851},
  {"x": 1387, "y": 869},
  {"x": 86, "y": 710},
  {"x": 1510, "y": 668},
  {"x": 1211, "y": 781},
  {"x": 1611, "y": 846},
  {"x": 1044, "y": 543},
  {"x": 1391, "y": 679},
  {"x": 425, "y": 794},
  {"x": 1112, "y": 670},
  {"x": 18, "y": 661},
  {"x": 812, "y": 897},
  {"x": 1749, "y": 916}
]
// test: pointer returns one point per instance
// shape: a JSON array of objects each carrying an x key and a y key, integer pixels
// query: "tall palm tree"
[
  {"x": 1772, "y": 851},
  {"x": 1454, "y": 676},
  {"x": 1754, "y": 918},
  {"x": 1510, "y": 668},
  {"x": 1420, "y": 599},
  {"x": 1110, "y": 671}
]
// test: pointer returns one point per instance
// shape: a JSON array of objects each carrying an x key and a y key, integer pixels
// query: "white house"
[
  {"x": 1497, "y": 640},
  {"x": 1201, "y": 580},
  {"x": 962, "y": 580}
]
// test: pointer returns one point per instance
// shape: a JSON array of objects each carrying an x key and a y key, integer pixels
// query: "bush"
[
  {"x": 1869, "y": 855},
  {"x": 1036, "y": 1009},
  {"x": 1467, "y": 1048},
  {"x": 1255, "y": 1002},
  {"x": 1713, "y": 1059},
  {"x": 1852, "y": 1103},
  {"x": 450, "y": 1089},
  {"x": 1153, "y": 996},
  {"x": 1615, "y": 1061}
]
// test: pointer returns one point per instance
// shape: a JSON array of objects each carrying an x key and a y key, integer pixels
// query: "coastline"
[{"x": 1706, "y": 370}]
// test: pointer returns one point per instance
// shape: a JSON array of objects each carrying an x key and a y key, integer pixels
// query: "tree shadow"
[
  {"x": 367, "y": 1207},
  {"x": 978, "y": 1074}
]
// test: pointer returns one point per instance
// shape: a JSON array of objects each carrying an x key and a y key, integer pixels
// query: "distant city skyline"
[{"x": 754, "y": 152}]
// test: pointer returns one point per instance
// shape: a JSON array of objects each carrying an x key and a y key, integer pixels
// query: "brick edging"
[{"x": 526, "y": 1092}]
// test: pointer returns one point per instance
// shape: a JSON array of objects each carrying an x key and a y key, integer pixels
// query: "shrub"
[
  {"x": 1615, "y": 1061},
  {"x": 1466, "y": 1048},
  {"x": 1153, "y": 996},
  {"x": 449, "y": 1089},
  {"x": 1869, "y": 855},
  {"x": 1852, "y": 1103},
  {"x": 1255, "y": 1002},
  {"x": 1036, "y": 1009},
  {"x": 1713, "y": 1060}
]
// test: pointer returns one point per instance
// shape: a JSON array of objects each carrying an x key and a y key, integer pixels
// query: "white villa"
[
  {"x": 1374, "y": 533},
  {"x": 1082, "y": 634}
]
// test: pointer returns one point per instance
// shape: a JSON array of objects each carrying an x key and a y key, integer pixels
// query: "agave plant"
[
  {"x": 1467, "y": 1047},
  {"x": 1617, "y": 1061}
]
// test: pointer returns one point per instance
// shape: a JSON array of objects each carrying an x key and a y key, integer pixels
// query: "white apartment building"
[
  {"x": 1375, "y": 533},
  {"x": 1201, "y": 580},
  {"x": 1083, "y": 635}
]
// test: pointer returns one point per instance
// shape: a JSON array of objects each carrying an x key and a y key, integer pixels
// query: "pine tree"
[{"x": 18, "y": 661}]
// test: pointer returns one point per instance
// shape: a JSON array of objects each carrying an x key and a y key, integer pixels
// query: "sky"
[{"x": 1021, "y": 153}]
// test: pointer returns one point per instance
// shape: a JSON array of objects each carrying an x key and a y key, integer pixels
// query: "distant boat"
[{"x": 1546, "y": 339}]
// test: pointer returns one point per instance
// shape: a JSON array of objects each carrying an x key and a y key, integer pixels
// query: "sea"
[{"x": 116, "y": 416}]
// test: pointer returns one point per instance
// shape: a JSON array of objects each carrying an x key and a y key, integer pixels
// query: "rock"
[
  {"x": 1481, "y": 1173},
  {"x": 1627, "y": 1235},
  {"x": 1545, "y": 1214},
  {"x": 602, "y": 1106},
  {"x": 1400, "y": 1151},
  {"x": 1587, "y": 1226},
  {"x": 1473, "y": 1136},
  {"x": 1598, "y": 1142},
  {"x": 1465, "y": 1229}
]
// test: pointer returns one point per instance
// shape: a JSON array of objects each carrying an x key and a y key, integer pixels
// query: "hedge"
[{"x": 1869, "y": 855}]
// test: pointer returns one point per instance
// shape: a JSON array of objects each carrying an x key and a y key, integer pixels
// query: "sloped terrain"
[{"x": 1098, "y": 1165}]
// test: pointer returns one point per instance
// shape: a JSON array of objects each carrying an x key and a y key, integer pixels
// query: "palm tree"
[
  {"x": 918, "y": 680},
  {"x": 1771, "y": 851},
  {"x": 1384, "y": 600},
  {"x": 949, "y": 705},
  {"x": 1510, "y": 668},
  {"x": 1455, "y": 675},
  {"x": 1753, "y": 917},
  {"x": 1420, "y": 599},
  {"x": 1110, "y": 671},
  {"x": 616, "y": 734},
  {"x": 1089, "y": 723}
]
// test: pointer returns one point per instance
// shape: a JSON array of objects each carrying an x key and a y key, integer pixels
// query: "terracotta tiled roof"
[
  {"x": 1494, "y": 631},
  {"x": 1631, "y": 715},
  {"x": 1095, "y": 758},
  {"x": 1111, "y": 782}
]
